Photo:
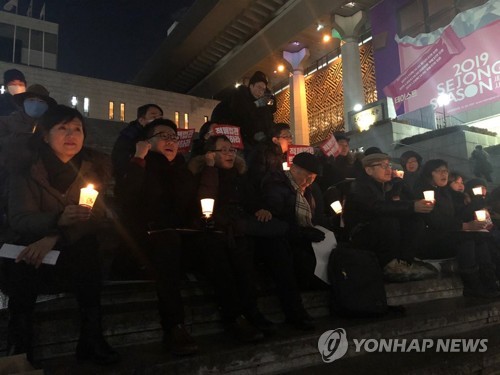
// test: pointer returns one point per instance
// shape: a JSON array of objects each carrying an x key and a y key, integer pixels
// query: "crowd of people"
[{"x": 264, "y": 214}]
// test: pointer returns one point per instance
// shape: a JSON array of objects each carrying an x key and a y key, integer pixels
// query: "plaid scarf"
[{"x": 303, "y": 211}]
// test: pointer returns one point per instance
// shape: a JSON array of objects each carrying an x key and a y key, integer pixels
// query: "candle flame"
[{"x": 90, "y": 186}]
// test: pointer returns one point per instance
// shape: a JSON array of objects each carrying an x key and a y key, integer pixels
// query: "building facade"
[{"x": 107, "y": 100}]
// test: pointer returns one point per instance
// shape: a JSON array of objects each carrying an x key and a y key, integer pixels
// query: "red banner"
[
  {"x": 330, "y": 147},
  {"x": 295, "y": 150},
  {"x": 232, "y": 132},
  {"x": 185, "y": 140}
]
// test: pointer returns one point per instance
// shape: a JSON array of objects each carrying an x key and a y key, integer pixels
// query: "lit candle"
[
  {"x": 481, "y": 215},
  {"x": 429, "y": 195},
  {"x": 207, "y": 207},
  {"x": 477, "y": 190},
  {"x": 88, "y": 196},
  {"x": 285, "y": 166},
  {"x": 337, "y": 207}
]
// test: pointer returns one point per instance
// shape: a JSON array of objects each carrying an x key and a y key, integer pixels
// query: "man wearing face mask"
[
  {"x": 17, "y": 128},
  {"x": 14, "y": 83},
  {"x": 32, "y": 103}
]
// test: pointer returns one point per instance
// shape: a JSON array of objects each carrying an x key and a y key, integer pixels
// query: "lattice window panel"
[
  {"x": 282, "y": 113},
  {"x": 325, "y": 99}
]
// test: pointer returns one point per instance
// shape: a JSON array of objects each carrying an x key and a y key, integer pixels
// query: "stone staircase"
[{"x": 435, "y": 309}]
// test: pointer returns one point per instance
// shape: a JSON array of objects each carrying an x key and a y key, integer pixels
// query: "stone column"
[
  {"x": 349, "y": 28},
  {"x": 298, "y": 100}
]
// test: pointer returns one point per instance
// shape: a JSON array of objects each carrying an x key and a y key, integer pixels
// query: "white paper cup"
[
  {"x": 478, "y": 190},
  {"x": 337, "y": 207},
  {"x": 207, "y": 207},
  {"x": 429, "y": 195},
  {"x": 480, "y": 215},
  {"x": 88, "y": 196}
]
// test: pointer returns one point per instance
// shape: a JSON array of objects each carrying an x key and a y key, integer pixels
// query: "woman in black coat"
[{"x": 45, "y": 215}]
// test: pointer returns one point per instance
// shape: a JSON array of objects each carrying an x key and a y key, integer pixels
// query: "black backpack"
[{"x": 357, "y": 283}]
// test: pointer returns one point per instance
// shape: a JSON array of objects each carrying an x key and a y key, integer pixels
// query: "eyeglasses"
[
  {"x": 166, "y": 137},
  {"x": 382, "y": 165},
  {"x": 442, "y": 171},
  {"x": 227, "y": 151}
]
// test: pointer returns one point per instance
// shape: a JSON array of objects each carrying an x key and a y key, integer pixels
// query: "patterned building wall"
[{"x": 325, "y": 98}]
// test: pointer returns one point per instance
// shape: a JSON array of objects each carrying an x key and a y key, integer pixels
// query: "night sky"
[{"x": 107, "y": 39}]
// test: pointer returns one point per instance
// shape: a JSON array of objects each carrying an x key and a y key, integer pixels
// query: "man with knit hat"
[
  {"x": 14, "y": 83},
  {"x": 32, "y": 104},
  {"x": 17, "y": 128},
  {"x": 388, "y": 226},
  {"x": 250, "y": 108}
]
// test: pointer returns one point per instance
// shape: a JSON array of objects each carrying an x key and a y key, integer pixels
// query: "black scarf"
[{"x": 61, "y": 175}]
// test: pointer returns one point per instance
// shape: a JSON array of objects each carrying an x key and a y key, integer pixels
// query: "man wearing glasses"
[{"x": 388, "y": 226}]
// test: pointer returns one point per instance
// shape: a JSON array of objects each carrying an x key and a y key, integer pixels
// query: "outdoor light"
[
  {"x": 237, "y": 84},
  {"x": 320, "y": 27},
  {"x": 86, "y": 105},
  {"x": 207, "y": 207},
  {"x": 480, "y": 215},
  {"x": 358, "y": 107},
  {"x": 74, "y": 101},
  {"x": 2, "y": 89},
  {"x": 88, "y": 196},
  {"x": 326, "y": 38},
  {"x": 337, "y": 207},
  {"x": 443, "y": 100},
  {"x": 281, "y": 68},
  {"x": 429, "y": 195}
]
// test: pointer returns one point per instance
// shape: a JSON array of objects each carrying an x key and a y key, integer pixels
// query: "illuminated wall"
[{"x": 325, "y": 99}]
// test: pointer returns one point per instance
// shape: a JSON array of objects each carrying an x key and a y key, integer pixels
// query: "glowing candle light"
[
  {"x": 337, "y": 207},
  {"x": 88, "y": 196},
  {"x": 207, "y": 207},
  {"x": 477, "y": 190},
  {"x": 429, "y": 195},
  {"x": 480, "y": 215}
]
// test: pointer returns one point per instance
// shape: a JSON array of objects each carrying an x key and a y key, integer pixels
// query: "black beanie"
[
  {"x": 307, "y": 161},
  {"x": 258, "y": 76},
  {"x": 13, "y": 74}
]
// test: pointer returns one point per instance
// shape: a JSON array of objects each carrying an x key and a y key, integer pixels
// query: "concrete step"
[
  {"x": 130, "y": 312},
  {"x": 289, "y": 350}
]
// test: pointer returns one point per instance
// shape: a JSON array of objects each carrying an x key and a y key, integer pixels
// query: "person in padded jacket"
[
  {"x": 159, "y": 194},
  {"x": 249, "y": 227},
  {"x": 384, "y": 223},
  {"x": 45, "y": 215}
]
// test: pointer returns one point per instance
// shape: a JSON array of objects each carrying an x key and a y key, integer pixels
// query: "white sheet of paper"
[
  {"x": 322, "y": 251},
  {"x": 12, "y": 251}
]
